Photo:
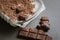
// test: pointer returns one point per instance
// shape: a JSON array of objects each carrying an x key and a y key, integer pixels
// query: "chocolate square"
[
  {"x": 23, "y": 33},
  {"x": 26, "y": 29},
  {"x": 48, "y": 38},
  {"x": 32, "y": 35},
  {"x": 33, "y": 30},
  {"x": 41, "y": 32},
  {"x": 41, "y": 37}
]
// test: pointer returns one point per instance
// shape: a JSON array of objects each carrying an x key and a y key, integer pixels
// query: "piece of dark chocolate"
[
  {"x": 18, "y": 11},
  {"x": 41, "y": 32},
  {"x": 23, "y": 33},
  {"x": 44, "y": 18},
  {"x": 44, "y": 23},
  {"x": 32, "y": 35},
  {"x": 45, "y": 29},
  {"x": 33, "y": 30},
  {"x": 38, "y": 27},
  {"x": 41, "y": 37},
  {"x": 20, "y": 18}
]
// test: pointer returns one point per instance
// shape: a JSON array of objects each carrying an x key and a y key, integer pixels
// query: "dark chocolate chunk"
[
  {"x": 45, "y": 29},
  {"x": 44, "y": 25},
  {"x": 11, "y": 8},
  {"x": 20, "y": 18},
  {"x": 18, "y": 11},
  {"x": 38, "y": 27}
]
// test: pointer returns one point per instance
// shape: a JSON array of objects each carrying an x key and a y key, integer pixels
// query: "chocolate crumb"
[
  {"x": 20, "y": 18},
  {"x": 18, "y": 11}
]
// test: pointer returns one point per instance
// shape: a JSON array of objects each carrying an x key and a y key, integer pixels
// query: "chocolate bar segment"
[
  {"x": 33, "y": 30},
  {"x": 41, "y": 32},
  {"x": 32, "y": 35},
  {"x": 49, "y": 38},
  {"x": 41, "y": 37},
  {"x": 23, "y": 33}
]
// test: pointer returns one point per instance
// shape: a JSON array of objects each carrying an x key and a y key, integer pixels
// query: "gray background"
[{"x": 53, "y": 13}]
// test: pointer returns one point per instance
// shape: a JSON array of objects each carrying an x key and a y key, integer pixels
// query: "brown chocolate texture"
[
  {"x": 17, "y": 9},
  {"x": 34, "y": 34}
]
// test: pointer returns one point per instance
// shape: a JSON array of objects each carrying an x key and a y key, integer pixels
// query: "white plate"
[{"x": 38, "y": 9}]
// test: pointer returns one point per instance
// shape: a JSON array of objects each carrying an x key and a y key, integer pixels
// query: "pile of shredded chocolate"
[{"x": 17, "y": 9}]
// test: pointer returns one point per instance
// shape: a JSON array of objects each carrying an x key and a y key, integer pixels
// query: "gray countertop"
[{"x": 52, "y": 11}]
